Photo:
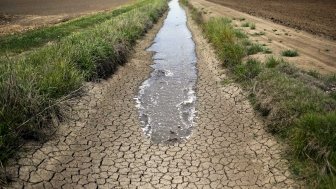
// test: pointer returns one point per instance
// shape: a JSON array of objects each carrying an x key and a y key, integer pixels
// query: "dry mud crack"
[{"x": 103, "y": 146}]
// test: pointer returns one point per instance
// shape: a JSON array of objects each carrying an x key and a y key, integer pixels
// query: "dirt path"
[
  {"x": 104, "y": 145},
  {"x": 315, "y": 53}
]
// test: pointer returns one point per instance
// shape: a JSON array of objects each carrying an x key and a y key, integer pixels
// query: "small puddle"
[{"x": 166, "y": 100}]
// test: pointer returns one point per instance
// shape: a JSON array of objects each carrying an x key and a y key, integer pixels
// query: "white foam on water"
[
  {"x": 188, "y": 107},
  {"x": 168, "y": 73}
]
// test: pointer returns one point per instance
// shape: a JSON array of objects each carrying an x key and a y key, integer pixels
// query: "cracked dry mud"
[{"x": 103, "y": 146}]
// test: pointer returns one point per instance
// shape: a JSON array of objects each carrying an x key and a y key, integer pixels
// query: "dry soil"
[
  {"x": 315, "y": 16},
  {"x": 315, "y": 53}
]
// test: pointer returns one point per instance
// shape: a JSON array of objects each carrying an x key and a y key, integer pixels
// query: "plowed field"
[{"x": 317, "y": 17}]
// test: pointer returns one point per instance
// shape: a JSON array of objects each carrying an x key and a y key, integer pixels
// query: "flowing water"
[{"x": 166, "y": 100}]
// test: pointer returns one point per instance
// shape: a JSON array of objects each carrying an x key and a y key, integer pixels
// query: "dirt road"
[
  {"x": 316, "y": 17},
  {"x": 315, "y": 53},
  {"x": 103, "y": 145},
  {"x": 21, "y": 15}
]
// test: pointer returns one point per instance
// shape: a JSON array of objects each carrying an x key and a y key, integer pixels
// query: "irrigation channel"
[
  {"x": 166, "y": 100},
  {"x": 101, "y": 147}
]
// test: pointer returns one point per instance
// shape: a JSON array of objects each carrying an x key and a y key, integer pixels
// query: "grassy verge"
[
  {"x": 299, "y": 106},
  {"x": 17, "y": 43},
  {"x": 31, "y": 85}
]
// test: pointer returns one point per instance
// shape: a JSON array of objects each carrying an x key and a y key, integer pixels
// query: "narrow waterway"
[{"x": 166, "y": 100}]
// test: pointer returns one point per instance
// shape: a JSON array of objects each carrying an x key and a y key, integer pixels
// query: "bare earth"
[
  {"x": 315, "y": 53},
  {"x": 103, "y": 145},
  {"x": 21, "y": 15},
  {"x": 316, "y": 17}
]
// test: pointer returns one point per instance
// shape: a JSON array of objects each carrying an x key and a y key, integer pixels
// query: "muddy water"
[{"x": 166, "y": 100}]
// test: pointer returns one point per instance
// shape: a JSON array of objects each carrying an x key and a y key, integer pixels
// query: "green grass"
[
  {"x": 258, "y": 33},
  {"x": 252, "y": 26},
  {"x": 314, "y": 137},
  {"x": 314, "y": 73},
  {"x": 267, "y": 50},
  {"x": 17, "y": 43},
  {"x": 240, "y": 34},
  {"x": 222, "y": 35},
  {"x": 245, "y": 24},
  {"x": 246, "y": 42},
  {"x": 254, "y": 49},
  {"x": 32, "y": 85},
  {"x": 289, "y": 53},
  {"x": 272, "y": 62},
  {"x": 248, "y": 70},
  {"x": 195, "y": 13},
  {"x": 297, "y": 105},
  {"x": 249, "y": 24}
]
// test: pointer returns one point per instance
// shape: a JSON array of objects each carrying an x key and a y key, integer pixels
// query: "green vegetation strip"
[
  {"x": 17, "y": 43},
  {"x": 299, "y": 106},
  {"x": 32, "y": 85}
]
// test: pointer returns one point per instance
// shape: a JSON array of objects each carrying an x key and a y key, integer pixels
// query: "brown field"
[
  {"x": 314, "y": 16},
  {"x": 315, "y": 53},
  {"x": 54, "y": 7},
  {"x": 20, "y": 15}
]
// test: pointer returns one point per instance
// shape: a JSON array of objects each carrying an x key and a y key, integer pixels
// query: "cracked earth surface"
[{"x": 103, "y": 146}]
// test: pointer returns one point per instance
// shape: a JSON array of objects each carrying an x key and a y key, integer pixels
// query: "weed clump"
[
  {"x": 313, "y": 139},
  {"x": 241, "y": 19},
  {"x": 254, "y": 49},
  {"x": 224, "y": 38},
  {"x": 289, "y": 53},
  {"x": 245, "y": 24},
  {"x": 252, "y": 26},
  {"x": 314, "y": 74},
  {"x": 272, "y": 62},
  {"x": 313, "y": 136},
  {"x": 245, "y": 72},
  {"x": 249, "y": 24},
  {"x": 258, "y": 33}
]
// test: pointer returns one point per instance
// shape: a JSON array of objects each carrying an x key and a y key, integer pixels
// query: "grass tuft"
[
  {"x": 314, "y": 73},
  {"x": 289, "y": 53},
  {"x": 258, "y": 33},
  {"x": 272, "y": 62},
  {"x": 313, "y": 139},
  {"x": 252, "y": 26},
  {"x": 247, "y": 71},
  {"x": 224, "y": 37},
  {"x": 254, "y": 49},
  {"x": 245, "y": 24},
  {"x": 267, "y": 50}
]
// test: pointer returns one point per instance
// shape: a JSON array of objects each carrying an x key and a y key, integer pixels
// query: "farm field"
[
  {"x": 166, "y": 94},
  {"x": 316, "y": 53},
  {"x": 20, "y": 15},
  {"x": 316, "y": 17}
]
